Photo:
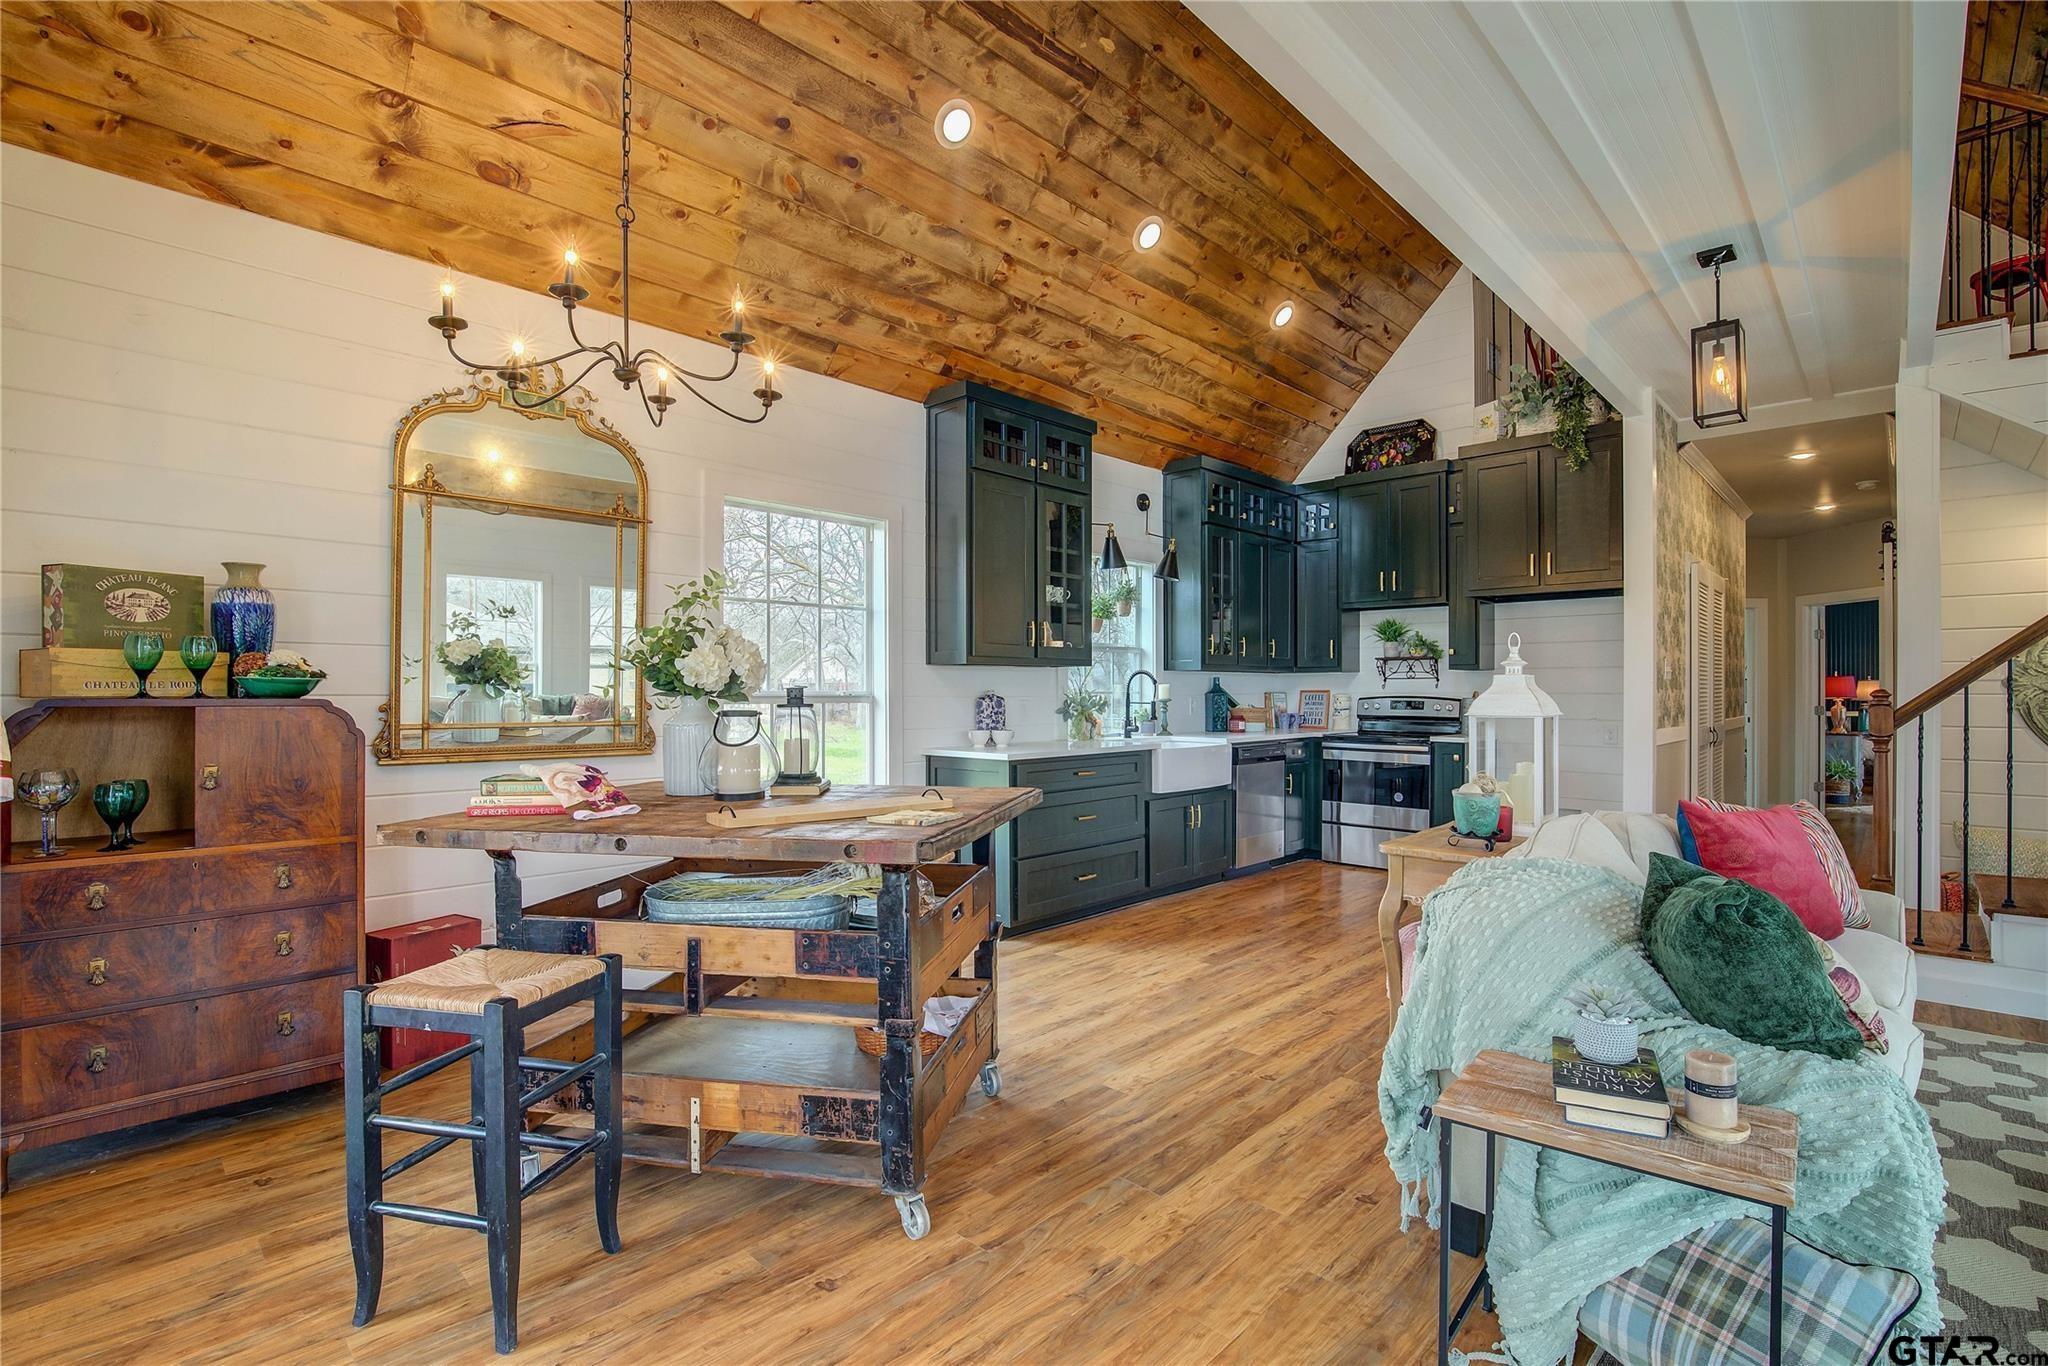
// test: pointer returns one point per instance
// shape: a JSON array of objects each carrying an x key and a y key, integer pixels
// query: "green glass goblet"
[
  {"x": 115, "y": 803},
  {"x": 138, "y": 802},
  {"x": 143, "y": 650},
  {"x": 198, "y": 654}
]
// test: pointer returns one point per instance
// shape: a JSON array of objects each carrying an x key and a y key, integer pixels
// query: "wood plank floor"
[{"x": 1185, "y": 1166}]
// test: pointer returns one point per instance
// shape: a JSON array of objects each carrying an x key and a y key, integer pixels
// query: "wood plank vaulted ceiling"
[
  {"x": 787, "y": 150},
  {"x": 2005, "y": 50}
]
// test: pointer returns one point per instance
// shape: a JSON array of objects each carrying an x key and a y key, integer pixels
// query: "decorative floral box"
[{"x": 1401, "y": 443}]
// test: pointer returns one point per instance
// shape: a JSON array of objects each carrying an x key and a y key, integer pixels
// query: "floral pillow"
[{"x": 1856, "y": 997}]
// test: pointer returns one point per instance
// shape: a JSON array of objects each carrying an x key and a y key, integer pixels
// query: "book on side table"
[
  {"x": 514, "y": 794},
  {"x": 1627, "y": 1098}
]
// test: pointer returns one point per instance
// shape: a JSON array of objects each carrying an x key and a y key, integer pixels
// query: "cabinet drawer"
[
  {"x": 1080, "y": 824},
  {"x": 38, "y": 900},
  {"x": 1059, "y": 884},
  {"x": 1085, "y": 770},
  {"x": 115, "y": 968},
  {"x": 110, "y": 1059},
  {"x": 291, "y": 876}
]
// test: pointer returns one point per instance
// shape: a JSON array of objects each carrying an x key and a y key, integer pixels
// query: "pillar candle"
[
  {"x": 1165, "y": 691},
  {"x": 796, "y": 755},
  {"x": 1710, "y": 1089},
  {"x": 739, "y": 769}
]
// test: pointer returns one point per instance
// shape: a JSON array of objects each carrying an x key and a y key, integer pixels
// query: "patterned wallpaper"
[{"x": 1693, "y": 523}]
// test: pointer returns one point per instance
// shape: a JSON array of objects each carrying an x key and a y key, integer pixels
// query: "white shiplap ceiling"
[{"x": 1577, "y": 155}]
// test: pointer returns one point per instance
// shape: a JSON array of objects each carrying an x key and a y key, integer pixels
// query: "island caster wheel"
[
  {"x": 917, "y": 1218},
  {"x": 991, "y": 1080}
]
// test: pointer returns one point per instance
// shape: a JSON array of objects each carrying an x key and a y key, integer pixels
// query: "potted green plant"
[
  {"x": 1607, "y": 1024},
  {"x": 1420, "y": 646},
  {"x": 1840, "y": 777},
  {"x": 1527, "y": 396},
  {"x": 1101, "y": 605},
  {"x": 1125, "y": 594},
  {"x": 1081, "y": 708},
  {"x": 1393, "y": 636},
  {"x": 1569, "y": 399},
  {"x": 692, "y": 661}
]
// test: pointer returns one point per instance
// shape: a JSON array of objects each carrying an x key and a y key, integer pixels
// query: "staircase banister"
[{"x": 1962, "y": 678}]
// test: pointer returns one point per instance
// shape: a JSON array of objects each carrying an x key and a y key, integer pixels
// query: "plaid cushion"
[{"x": 1704, "y": 1301}]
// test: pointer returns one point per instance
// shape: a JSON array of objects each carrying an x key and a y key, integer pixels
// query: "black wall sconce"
[{"x": 1113, "y": 551}]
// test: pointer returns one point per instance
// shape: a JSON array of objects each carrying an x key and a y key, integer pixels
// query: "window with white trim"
[
  {"x": 503, "y": 609},
  {"x": 1124, "y": 616},
  {"x": 805, "y": 587}
]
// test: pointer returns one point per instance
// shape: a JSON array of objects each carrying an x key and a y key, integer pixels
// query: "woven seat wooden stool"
[{"x": 490, "y": 996}]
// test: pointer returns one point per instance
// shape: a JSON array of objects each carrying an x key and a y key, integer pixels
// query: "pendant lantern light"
[{"x": 1720, "y": 359}]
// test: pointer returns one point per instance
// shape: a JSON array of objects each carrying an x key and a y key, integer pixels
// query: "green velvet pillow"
[{"x": 1738, "y": 959}]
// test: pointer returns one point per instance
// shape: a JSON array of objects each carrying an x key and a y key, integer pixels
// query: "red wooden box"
[{"x": 398, "y": 949}]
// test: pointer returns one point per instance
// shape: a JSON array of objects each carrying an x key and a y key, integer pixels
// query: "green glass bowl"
[{"x": 255, "y": 685}]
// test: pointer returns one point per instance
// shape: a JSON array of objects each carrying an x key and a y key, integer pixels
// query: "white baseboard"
[{"x": 1984, "y": 986}]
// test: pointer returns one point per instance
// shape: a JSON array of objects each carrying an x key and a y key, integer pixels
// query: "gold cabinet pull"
[
  {"x": 1091, "y": 816},
  {"x": 1241, "y": 646},
  {"x": 1272, "y": 647},
  {"x": 1190, "y": 821},
  {"x": 96, "y": 972},
  {"x": 1546, "y": 562},
  {"x": 1532, "y": 564},
  {"x": 1198, "y": 817},
  {"x": 1383, "y": 581},
  {"x": 284, "y": 943},
  {"x": 209, "y": 777},
  {"x": 1290, "y": 784},
  {"x": 1031, "y": 633},
  {"x": 1087, "y": 877},
  {"x": 1084, "y": 773},
  {"x": 96, "y": 1058},
  {"x": 1333, "y": 649},
  {"x": 285, "y": 1026},
  {"x": 1397, "y": 580},
  {"x": 284, "y": 876},
  {"x": 95, "y": 896}
]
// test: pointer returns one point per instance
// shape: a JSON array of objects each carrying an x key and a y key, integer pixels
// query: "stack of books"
[
  {"x": 514, "y": 794},
  {"x": 1628, "y": 1098}
]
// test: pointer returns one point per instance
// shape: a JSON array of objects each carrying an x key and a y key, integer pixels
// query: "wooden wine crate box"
[
  {"x": 92, "y": 606},
  {"x": 73, "y": 671}
]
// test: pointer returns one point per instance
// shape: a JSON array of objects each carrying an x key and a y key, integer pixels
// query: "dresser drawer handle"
[
  {"x": 1090, "y": 817},
  {"x": 96, "y": 896},
  {"x": 284, "y": 1023},
  {"x": 1087, "y": 877},
  {"x": 284, "y": 875},
  {"x": 96, "y": 1058},
  {"x": 96, "y": 972},
  {"x": 1084, "y": 773},
  {"x": 209, "y": 777},
  {"x": 284, "y": 943}
]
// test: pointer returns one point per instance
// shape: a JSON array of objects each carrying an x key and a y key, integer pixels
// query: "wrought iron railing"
[
  {"x": 1886, "y": 724},
  {"x": 1995, "y": 264}
]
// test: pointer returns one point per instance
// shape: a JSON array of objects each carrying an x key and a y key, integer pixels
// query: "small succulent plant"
[{"x": 1616, "y": 1004}]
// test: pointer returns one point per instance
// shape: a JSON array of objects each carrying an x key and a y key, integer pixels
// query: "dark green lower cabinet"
[
  {"x": 1189, "y": 838},
  {"x": 1057, "y": 885},
  {"x": 1446, "y": 771},
  {"x": 1080, "y": 821},
  {"x": 1303, "y": 791}
]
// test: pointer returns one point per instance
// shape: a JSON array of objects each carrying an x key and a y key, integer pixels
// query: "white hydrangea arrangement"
[{"x": 691, "y": 653}]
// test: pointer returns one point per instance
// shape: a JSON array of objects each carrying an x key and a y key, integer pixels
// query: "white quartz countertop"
[{"x": 1054, "y": 749}]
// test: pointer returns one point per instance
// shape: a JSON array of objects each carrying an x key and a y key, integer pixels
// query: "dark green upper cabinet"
[
  {"x": 1390, "y": 536},
  {"x": 1279, "y": 611},
  {"x": 1581, "y": 531},
  {"x": 1251, "y": 601},
  {"x": 1534, "y": 526},
  {"x": 1325, "y": 639},
  {"x": 1006, "y": 530},
  {"x": 1238, "y": 602}
]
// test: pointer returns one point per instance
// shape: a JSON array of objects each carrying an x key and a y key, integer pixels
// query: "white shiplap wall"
[{"x": 1994, "y": 580}]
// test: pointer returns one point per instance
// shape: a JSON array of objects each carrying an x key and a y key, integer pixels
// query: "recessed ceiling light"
[
  {"x": 1284, "y": 314},
  {"x": 1800, "y": 455},
  {"x": 954, "y": 123},
  {"x": 1149, "y": 232},
  {"x": 1823, "y": 507}
]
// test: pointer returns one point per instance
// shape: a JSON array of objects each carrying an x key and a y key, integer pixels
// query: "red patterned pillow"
[
  {"x": 1834, "y": 860},
  {"x": 1768, "y": 849}
]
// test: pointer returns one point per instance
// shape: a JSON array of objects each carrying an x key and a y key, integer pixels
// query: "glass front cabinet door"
[{"x": 1063, "y": 562}]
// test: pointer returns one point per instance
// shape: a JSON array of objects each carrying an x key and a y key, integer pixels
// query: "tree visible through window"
[
  {"x": 803, "y": 589},
  {"x": 1123, "y": 614},
  {"x": 483, "y": 596},
  {"x": 602, "y": 643}
]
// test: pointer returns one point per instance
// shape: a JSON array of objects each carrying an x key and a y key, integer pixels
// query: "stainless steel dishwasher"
[{"x": 1258, "y": 780}]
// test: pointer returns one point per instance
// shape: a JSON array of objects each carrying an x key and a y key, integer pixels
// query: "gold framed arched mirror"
[{"x": 518, "y": 563}]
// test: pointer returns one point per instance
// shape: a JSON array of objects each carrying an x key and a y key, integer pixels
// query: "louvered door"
[{"x": 1706, "y": 680}]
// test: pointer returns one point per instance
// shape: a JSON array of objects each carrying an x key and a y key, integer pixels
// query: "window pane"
[
  {"x": 746, "y": 551},
  {"x": 843, "y": 666},
  {"x": 502, "y": 609},
  {"x": 843, "y": 559},
  {"x": 849, "y": 741},
  {"x": 793, "y": 558},
  {"x": 601, "y": 651},
  {"x": 750, "y": 619},
  {"x": 792, "y": 646}
]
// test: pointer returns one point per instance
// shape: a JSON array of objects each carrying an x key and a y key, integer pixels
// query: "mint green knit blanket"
[{"x": 1502, "y": 943}]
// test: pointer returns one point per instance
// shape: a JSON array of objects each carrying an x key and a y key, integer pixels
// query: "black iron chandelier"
[{"x": 520, "y": 372}]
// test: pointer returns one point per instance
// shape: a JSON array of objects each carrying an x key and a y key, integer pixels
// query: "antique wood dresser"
[{"x": 206, "y": 964}]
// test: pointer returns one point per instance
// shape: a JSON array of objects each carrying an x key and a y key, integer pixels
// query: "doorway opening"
[{"x": 1842, "y": 668}]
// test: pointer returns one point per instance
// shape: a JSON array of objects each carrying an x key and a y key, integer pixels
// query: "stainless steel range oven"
[{"x": 1376, "y": 784}]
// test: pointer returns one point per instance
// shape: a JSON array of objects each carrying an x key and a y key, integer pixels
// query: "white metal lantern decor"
[{"x": 1515, "y": 698}]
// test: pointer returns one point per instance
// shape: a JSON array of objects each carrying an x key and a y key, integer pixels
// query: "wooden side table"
[
  {"x": 1417, "y": 865},
  {"x": 1505, "y": 1096}
]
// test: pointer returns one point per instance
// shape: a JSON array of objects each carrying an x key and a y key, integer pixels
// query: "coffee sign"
[{"x": 93, "y": 606}]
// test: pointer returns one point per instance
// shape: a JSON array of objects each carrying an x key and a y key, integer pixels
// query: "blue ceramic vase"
[{"x": 244, "y": 613}]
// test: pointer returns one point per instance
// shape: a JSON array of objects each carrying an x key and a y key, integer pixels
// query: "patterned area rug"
[{"x": 1988, "y": 1098}]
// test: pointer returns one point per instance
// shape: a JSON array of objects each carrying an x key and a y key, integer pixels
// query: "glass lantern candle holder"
[
  {"x": 739, "y": 765},
  {"x": 799, "y": 740}
]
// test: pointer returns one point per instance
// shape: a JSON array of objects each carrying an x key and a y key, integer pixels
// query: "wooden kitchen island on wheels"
[{"x": 744, "y": 1057}]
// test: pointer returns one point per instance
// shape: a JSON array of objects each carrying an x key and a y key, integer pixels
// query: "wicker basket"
[{"x": 875, "y": 1043}]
